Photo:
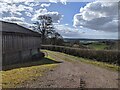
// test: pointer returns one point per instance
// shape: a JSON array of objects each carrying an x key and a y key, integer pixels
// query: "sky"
[{"x": 93, "y": 20}]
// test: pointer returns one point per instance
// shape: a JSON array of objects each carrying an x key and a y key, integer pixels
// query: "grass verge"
[
  {"x": 97, "y": 63},
  {"x": 18, "y": 76},
  {"x": 84, "y": 60}
]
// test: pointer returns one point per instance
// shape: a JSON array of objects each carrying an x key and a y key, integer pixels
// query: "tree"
[
  {"x": 56, "y": 39},
  {"x": 44, "y": 26}
]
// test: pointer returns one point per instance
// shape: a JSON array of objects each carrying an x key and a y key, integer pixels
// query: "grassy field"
[
  {"x": 18, "y": 74},
  {"x": 97, "y": 46}
]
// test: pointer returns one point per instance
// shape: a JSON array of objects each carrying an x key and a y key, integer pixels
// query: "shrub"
[
  {"x": 38, "y": 56},
  {"x": 108, "y": 56}
]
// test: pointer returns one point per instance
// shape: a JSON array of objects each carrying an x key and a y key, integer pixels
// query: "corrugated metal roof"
[{"x": 15, "y": 28}]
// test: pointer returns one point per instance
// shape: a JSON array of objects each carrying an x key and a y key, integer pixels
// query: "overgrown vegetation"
[
  {"x": 96, "y": 55},
  {"x": 26, "y": 72}
]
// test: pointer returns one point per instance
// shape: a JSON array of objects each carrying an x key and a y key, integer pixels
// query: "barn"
[{"x": 19, "y": 44}]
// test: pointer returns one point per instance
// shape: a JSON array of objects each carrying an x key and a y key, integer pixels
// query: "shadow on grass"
[{"x": 42, "y": 61}]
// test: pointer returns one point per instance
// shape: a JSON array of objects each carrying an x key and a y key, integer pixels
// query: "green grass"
[
  {"x": 88, "y": 61},
  {"x": 100, "y": 64},
  {"x": 97, "y": 46},
  {"x": 17, "y": 76}
]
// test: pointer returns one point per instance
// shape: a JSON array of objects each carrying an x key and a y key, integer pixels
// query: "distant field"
[
  {"x": 93, "y": 45},
  {"x": 97, "y": 46}
]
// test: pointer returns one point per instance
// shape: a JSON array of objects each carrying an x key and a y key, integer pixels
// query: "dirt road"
[{"x": 75, "y": 74}]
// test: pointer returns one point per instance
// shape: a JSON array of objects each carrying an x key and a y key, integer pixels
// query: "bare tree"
[
  {"x": 56, "y": 39},
  {"x": 45, "y": 27},
  {"x": 48, "y": 34}
]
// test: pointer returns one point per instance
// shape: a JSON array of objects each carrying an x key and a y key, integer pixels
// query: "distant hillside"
[{"x": 85, "y": 39}]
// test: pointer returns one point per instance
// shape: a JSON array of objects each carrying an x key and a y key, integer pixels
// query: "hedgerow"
[{"x": 108, "y": 56}]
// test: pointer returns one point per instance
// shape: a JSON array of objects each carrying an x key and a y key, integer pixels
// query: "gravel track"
[{"x": 74, "y": 74}]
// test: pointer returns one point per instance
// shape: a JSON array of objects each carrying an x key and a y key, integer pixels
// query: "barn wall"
[
  {"x": 19, "y": 47},
  {"x": 18, "y": 57},
  {"x": 0, "y": 52}
]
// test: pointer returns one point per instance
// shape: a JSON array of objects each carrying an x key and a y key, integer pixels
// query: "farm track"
[{"x": 74, "y": 74}]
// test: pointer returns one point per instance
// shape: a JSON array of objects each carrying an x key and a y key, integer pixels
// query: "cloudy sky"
[{"x": 85, "y": 19}]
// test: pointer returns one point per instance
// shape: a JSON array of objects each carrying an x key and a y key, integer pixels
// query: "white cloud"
[
  {"x": 67, "y": 31},
  {"x": 14, "y": 19},
  {"x": 66, "y": 24},
  {"x": 16, "y": 1},
  {"x": 37, "y": 13},
  {"x": 70, "y": 32},
  {"x": 12, "y": 12},
  {"x": 45, "y": 5},
  {"x": 41, "y": 11},
  {"x": 28, "y": 1},
  {"x": 28, "y": 14},
  {"x": 56, "y": 17},
  {"x": 55, "y": 1},
  {"x": 23, "y": 8},
  {"x": 63, "y": 1},
  {"x": 31, "y": 4},
  {"x": 14, "y": 9},
  {"x": 19, "y": 21},
  {"x": 98, "y": 16}
]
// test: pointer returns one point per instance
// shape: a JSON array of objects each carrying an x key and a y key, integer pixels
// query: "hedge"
[{"x": 108, "y": 56}]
